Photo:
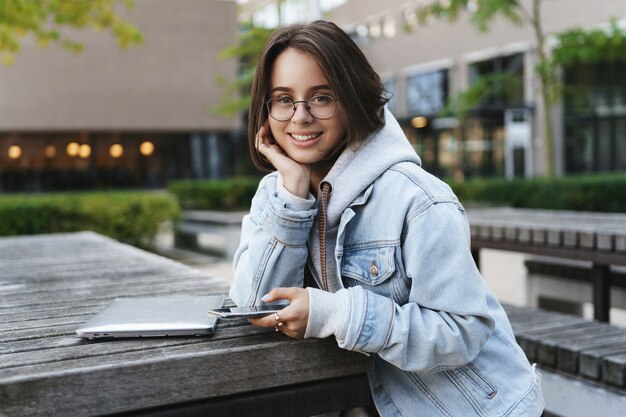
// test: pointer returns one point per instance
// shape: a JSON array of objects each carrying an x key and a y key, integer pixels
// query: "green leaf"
[{"x": 44, "y": 19}]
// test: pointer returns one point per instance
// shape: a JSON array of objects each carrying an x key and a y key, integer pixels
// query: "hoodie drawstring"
[{"x": 322, "y": 232}]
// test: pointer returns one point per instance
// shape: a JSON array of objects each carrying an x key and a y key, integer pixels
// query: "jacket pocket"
[
  {"x": 371, "y": 266},
  {"x": 470, "y": 375},
  {"x": 480, "y": 393}
]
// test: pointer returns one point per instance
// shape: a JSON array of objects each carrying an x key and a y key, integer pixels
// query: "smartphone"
[{"x": 248, "y": 312}]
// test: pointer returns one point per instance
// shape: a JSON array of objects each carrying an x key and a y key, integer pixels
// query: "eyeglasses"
[{"x": 320, "y": 106}]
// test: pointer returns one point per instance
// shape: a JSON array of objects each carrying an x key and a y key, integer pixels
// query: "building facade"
[
  {"x": 426, "y": 64},
  {"x": 123, "y": 118}
]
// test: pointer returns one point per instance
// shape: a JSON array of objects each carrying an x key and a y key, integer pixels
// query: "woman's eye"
[
  {"x": 322, "y": 99},
  {"x": 283, "y": 100}
]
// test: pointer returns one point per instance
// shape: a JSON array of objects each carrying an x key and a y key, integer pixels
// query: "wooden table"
[
  {"x": 599, "y": 238},
  {"x": 50, "y": 284}
]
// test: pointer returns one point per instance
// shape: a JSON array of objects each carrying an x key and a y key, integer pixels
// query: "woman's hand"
[
  {"x": 296, "y": 176},
  {"x": 295, "y": 316}
]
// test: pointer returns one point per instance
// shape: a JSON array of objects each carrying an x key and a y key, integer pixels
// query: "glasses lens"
[
  {"x": 280, "y": 108},
  {"x": 322, "y": 106}
]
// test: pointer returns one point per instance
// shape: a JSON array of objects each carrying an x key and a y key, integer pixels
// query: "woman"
[{"x": 367, "y": 246}]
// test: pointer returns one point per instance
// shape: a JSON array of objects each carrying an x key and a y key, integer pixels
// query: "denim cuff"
[
  {"x": 294, "y": 202},
  {"x": 288, "y": 226},
  {"x": 371, "y": 321}
]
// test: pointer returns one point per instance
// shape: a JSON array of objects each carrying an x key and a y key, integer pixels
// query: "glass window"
[
  {"x": 604, "y": 146},
  {"x": 594, "y": 97},
  {"x": 579, "y": 146},
  {"x": 427, "y": 92},
  {"x": 483, "y": 148},
  {"x": 620, "y": 145},
  {"x": 506, "y": 80}
]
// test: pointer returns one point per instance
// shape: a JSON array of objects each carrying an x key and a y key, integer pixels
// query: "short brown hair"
[{"x": 350, "y": 75}]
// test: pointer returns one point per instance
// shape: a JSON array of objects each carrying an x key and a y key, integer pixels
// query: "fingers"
[
  {"x": 291, "y": 320},
  {"x": 282, "y": 293},
  {"x": 265, "y": 145}
]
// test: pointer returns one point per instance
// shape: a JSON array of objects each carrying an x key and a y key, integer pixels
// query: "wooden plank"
[
  {"x": 566, "y": 352},
  {"x": 569, "y": 354},
  {"x": 84, "y": 348},
  {"x": 591, "y": 358},
  {"x": 557, "y": 228},
  {"x": 192, "y": 374},
  {"x": 527, "y": 339},
  {"x": 130, "y": 291},
  {"x": 302, "y": 400},
  {"x": 602, "y": 257},
  {"x": 546, "y": 343},
  {"x": 614, "y": 369}
]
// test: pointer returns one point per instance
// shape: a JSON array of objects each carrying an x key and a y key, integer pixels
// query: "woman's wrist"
[{"x": 298, "y": 187}]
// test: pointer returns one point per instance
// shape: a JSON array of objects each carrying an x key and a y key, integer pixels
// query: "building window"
[
  {"x": 505, "y": 78},
  {"x": 594, "y": 100},
  {"x": 427, "y": 92}
]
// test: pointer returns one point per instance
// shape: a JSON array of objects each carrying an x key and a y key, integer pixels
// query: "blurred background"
[
  {"x": 463, "y": 83},
  {"x": 128, "y": 118}
]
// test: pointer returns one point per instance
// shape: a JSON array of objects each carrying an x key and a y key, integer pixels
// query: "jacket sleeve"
[
  {"x": 446, "y": 321},
  {"x": 272, "y": 251}
]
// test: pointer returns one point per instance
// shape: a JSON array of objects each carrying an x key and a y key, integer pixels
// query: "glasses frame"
[{"x": 306, "y": 106}]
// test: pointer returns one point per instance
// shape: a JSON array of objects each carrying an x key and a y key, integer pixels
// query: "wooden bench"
[
  {"x": 590, "y": 350},
  {"x": 50, "y": 284},
  {"x": 599, "y": 238},
  {"x": 583, "y": 362},
  {"x": 565, "y": 285},
  {"x": 212, "y": 232}
]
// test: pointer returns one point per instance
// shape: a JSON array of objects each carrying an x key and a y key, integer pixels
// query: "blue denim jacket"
[{"x": 404, "y": 286}]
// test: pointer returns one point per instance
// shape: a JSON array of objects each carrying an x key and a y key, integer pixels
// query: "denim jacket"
[{"x": 403, "y": 285}]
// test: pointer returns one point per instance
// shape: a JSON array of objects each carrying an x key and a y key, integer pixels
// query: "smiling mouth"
[{"x": 304, "y": 138}]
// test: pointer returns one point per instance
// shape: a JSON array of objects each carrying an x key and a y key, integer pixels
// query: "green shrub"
[
  {"x": 602, "y": 192},
  {"x": 229, "y": 194},
  {"x": 131, "y": 217}
]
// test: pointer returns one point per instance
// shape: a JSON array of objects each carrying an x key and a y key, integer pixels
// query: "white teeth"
[{"x": 305, "y": 137}]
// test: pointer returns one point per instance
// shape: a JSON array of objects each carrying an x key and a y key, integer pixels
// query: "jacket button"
[{"x": 374, "y": 269}]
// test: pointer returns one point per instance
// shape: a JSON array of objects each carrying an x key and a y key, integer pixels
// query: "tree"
[
  {"x": 484, "y": 87},
  {"x": 250, "y": 43},
  {"x": 45, "y": 19},
  {"x": 517, "y": 12}
]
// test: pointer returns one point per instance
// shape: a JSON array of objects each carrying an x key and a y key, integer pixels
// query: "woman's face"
[{"x": 305, "y": 139}]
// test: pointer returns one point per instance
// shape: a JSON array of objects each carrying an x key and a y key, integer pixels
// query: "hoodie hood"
[{"x": 357, "y": 168}]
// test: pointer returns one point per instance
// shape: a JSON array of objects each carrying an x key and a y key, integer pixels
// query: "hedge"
[
  {"x": 228, "y": 194},
  {"x": 602, "y": 192},
  {"x": 131, "y": 217},
  {"x": 599, "y": 192}
]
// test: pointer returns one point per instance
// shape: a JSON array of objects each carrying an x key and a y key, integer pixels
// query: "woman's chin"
[{"x": 307, "y": 158}]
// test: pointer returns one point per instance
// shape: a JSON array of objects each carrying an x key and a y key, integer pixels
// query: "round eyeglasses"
[{"x": 320, "y": 106}]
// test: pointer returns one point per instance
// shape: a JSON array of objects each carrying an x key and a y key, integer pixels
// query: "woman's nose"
[{"x": 302, "y": 114}]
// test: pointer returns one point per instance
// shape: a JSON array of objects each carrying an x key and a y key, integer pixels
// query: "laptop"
[{"x": 169, "y": 315}]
